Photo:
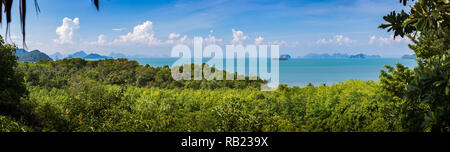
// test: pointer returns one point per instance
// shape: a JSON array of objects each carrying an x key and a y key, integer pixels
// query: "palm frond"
[
  {"x": 23, "y": 14},
  {"x": 96, "y": 3}
]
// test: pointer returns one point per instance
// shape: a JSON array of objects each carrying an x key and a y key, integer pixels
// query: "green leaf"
[
  {"x": 435, "y": 14},
  {"x": 444, "y": 1},
  {"x": 409, "y": 21}
]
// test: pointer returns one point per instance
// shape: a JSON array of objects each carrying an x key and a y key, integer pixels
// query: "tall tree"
[
  {"x": 12, "y": 86},
  {"x": 426, "y": 90}
]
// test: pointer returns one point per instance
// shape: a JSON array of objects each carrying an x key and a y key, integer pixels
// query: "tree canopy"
[{"x": 424, "y": 93}]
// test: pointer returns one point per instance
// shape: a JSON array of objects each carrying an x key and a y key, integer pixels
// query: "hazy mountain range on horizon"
[
  {"x": 84, "y": 55},
  {"x": 113, "y": 55},
  {"x": 341, "y": 56}
]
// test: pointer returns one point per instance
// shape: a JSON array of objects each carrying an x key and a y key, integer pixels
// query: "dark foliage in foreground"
[{"x": 424, "y": 91}]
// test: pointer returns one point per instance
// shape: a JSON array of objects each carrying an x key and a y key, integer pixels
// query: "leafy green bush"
[{"x": 7, "y": 124}]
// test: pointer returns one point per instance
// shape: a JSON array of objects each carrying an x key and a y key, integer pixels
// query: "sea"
[{"x": 302, "y": 71}]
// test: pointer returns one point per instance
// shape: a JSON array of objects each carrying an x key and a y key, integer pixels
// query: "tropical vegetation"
[
  {"x": 73, "y": 95},
  {"x": 423, "y": 93}
]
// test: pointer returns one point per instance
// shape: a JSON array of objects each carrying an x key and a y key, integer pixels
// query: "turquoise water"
[{"x": 300, "y": 72}]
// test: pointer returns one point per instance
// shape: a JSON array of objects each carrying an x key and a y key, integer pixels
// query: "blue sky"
[{"x": 152, "y": 28}]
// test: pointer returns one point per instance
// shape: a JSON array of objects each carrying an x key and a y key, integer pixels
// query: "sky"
[{"x": 151, "y": 28}]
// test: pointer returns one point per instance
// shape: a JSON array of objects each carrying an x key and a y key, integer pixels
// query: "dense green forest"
[{"x": 121, "y": 95}]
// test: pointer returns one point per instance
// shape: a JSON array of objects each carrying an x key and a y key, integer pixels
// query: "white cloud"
[
  {"x": 212, "y": 39},
  {"x": 388, "y": 40},
  {"x": 142, "y": 34},
  {"x": 337, "y": 40},
  {"x": 183, "y": 39},
  {"x": 173, "y": 35},
  {"x": 118, "y": 29},
  {"x": 372, "y": 39},
  {"x": 66, "y": 31},
  {"x": 238, "y": 37},
  {"x": 278, "y": 42},
  {"x": 259, "y": 40},
  {"x": 401, "y": 39},
  {"x": 16, "y": 38},
  {"x": 101, "y": 40}
]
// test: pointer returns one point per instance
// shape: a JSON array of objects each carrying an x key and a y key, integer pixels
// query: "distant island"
[
  {"x": 326, "y": 56},
  {"x": 363, "y": 56},
  {"x": 79, "y": 54},
  {"x": 285, "y": 57},
  {"x": 94, "y": 56},
  {"x": 33, "y": 56},
  {"x": 36, "y": 55},
  {"x": 57, "y": 56},
  {"x": 84, "y": 55},
  {"x": 117, "y": 55},
  {"x": 341, "y": 56},
  {"x": 412, "y": 56}
]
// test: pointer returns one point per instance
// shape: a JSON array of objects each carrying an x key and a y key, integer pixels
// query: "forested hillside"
[
  {"x": 79, "y": 95},
  {"x": 32, "y": 56},
  {"x": 59, "y": 74},
  {"x": 121, "y": 95}
]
